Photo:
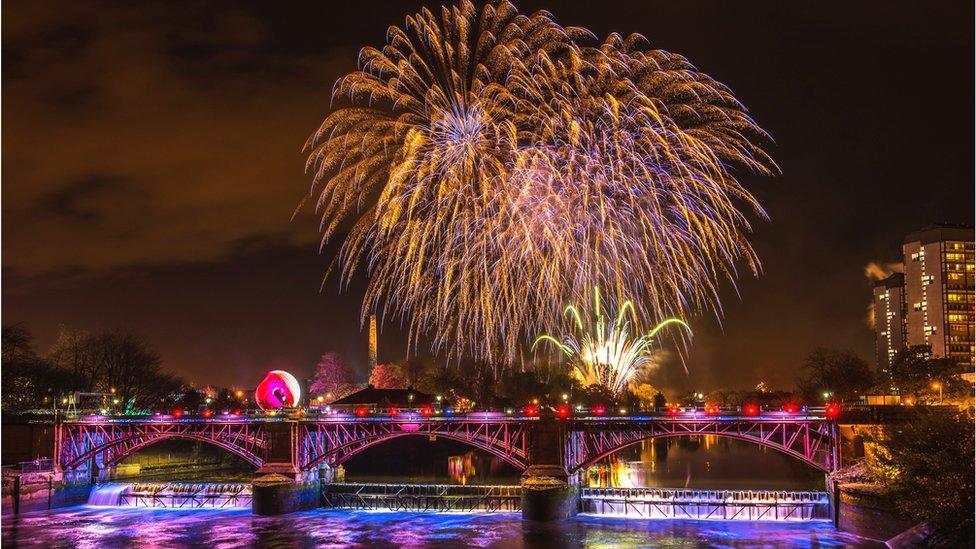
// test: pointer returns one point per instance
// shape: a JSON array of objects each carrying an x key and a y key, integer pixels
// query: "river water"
[
  {"x": 100, "y": 527},
  {"x": 702, "y": 463}
]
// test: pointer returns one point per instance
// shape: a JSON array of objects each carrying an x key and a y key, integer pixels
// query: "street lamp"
[{"x": 938, "y": 386}]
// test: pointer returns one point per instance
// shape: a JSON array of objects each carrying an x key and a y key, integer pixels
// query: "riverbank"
[{"x": 866, "y": 510}]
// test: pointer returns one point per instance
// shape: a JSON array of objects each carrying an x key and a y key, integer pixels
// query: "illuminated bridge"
[{"x": 299, "y": 445}]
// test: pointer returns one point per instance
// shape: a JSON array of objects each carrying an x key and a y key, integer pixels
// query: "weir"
[
  {"x": 649, "y": 503},
  {"x": 173, "y": 495},
  {"x": 706, "y": 504},
  {"x": 422, "y": 497}
]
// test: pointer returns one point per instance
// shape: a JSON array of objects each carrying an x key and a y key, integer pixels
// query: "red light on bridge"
[
  {"x": 361, "y": 411},
  {"x": 832, "y": 410},
  {"x": 236, "y": 412},
  {"x": 599, "y": 410},
  {"x": 673, "y": 410},
  {"x": 562, "y": 411},
  {"x": 530, "y": 410},
  {"x": 177, "y": 412},
  {"x": 751, "y": 409},
  {"x": 207, "y": 412},
  {"x": 394, "y": 411},
  {"x": 790, "y": 408},
  {"x": 711, "y": 409},
  {"x": 427, "y": 410}
]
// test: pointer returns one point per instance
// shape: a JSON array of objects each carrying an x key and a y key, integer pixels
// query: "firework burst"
[
  {"x": 607, "y": 351},
  {"x": 489, "y": 167}
]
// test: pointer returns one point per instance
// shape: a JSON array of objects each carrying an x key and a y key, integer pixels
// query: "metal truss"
[
  {"x": 334, "y": 442},
  {"x": 812, "y": 441},
  {"x": 77, "y": 442}
]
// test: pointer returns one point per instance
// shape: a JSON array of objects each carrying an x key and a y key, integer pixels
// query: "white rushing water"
[
  {"x": 107, "y": 494},
  {"x": 174, "y": 495}
]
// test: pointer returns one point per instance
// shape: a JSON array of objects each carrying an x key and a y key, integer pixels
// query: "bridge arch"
[
  {"x": 812, "y": 442},
  {"x": 343, "y": 453},
  {"x": 796, "y": 455},
  {"x": 335, "y": 442},
  {"x": 79, "y": 442}
]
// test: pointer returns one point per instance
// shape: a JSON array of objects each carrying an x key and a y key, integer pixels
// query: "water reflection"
[
  {"x": 461, "y": 468},
  {"x": 703, "y": 462},
  {"x": 94, "y": 527}
]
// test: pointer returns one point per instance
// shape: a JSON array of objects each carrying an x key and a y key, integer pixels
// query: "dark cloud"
[{"x": 152, "y": 163}]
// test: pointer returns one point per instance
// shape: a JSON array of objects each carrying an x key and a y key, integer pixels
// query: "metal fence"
[
  {"x": 187, "y": 496},
  {"x": 422, "y": 497},
  {"x": 706, "y": 504}
]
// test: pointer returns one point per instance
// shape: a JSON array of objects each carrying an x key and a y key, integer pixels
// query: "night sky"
[{"x": 152, "y": 161}]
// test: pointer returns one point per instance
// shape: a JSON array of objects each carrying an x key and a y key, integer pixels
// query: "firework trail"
[
  {"x": 492, "y": 167},
  {"x": 607, "y": 351}
]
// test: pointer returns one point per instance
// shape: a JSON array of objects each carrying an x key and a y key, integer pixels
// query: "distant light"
[
  {"x": 565, "y": 396},
  {"x": 623, "y": 410},
  {"x": 104, "y": 411},
  {"x": 832, "y": 410},
  {"x": 439, "y": 397},
  {"x": 562, "y": 411}
]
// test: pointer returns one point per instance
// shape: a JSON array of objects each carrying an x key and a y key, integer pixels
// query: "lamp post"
[{"x": 938, "y": 386}]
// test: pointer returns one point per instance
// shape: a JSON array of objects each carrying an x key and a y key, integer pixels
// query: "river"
[
  {"x": 100, "y": 527},
  {"x": 701, "y": 463}
]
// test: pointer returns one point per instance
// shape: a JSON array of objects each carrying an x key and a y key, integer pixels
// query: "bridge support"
[
  {"x": 549, "y": 492},
  {"x": 280, "y": 487}
]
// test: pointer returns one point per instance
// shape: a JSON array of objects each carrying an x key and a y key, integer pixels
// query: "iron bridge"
[{"x": 306, "y": 443}]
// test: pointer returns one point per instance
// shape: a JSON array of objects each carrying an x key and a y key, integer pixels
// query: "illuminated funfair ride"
[
  {"x": 605, "y": 352},
  {"x": 277, "y": 390}
]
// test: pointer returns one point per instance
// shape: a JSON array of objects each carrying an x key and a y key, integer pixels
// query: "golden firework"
[{"x": 487, "y": 167}]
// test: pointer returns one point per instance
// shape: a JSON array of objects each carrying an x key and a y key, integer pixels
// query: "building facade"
[
  {"x": 889, "y": 320},
  {"x": 939, "y": 291}
]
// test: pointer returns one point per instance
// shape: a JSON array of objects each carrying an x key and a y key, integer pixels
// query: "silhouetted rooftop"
[{"x": 385, "y": 397}]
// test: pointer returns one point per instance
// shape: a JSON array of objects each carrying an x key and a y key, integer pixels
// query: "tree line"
[{"x": 116, "y": 363}]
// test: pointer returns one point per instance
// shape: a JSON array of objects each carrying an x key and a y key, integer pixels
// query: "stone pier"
[
  {"x": 549, "y": 492},
  {"x": 279, "y": 486}
]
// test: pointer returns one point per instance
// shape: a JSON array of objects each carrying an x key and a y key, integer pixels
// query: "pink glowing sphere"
[{"x": 278, "y": 389}]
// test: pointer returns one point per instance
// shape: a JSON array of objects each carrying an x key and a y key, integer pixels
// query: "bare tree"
[{"x": 332, "y": 377}]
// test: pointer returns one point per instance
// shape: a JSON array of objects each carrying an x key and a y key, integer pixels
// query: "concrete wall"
[
  {"x": 39, "y": 492},
  {"x": 870, "y": 515}
]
